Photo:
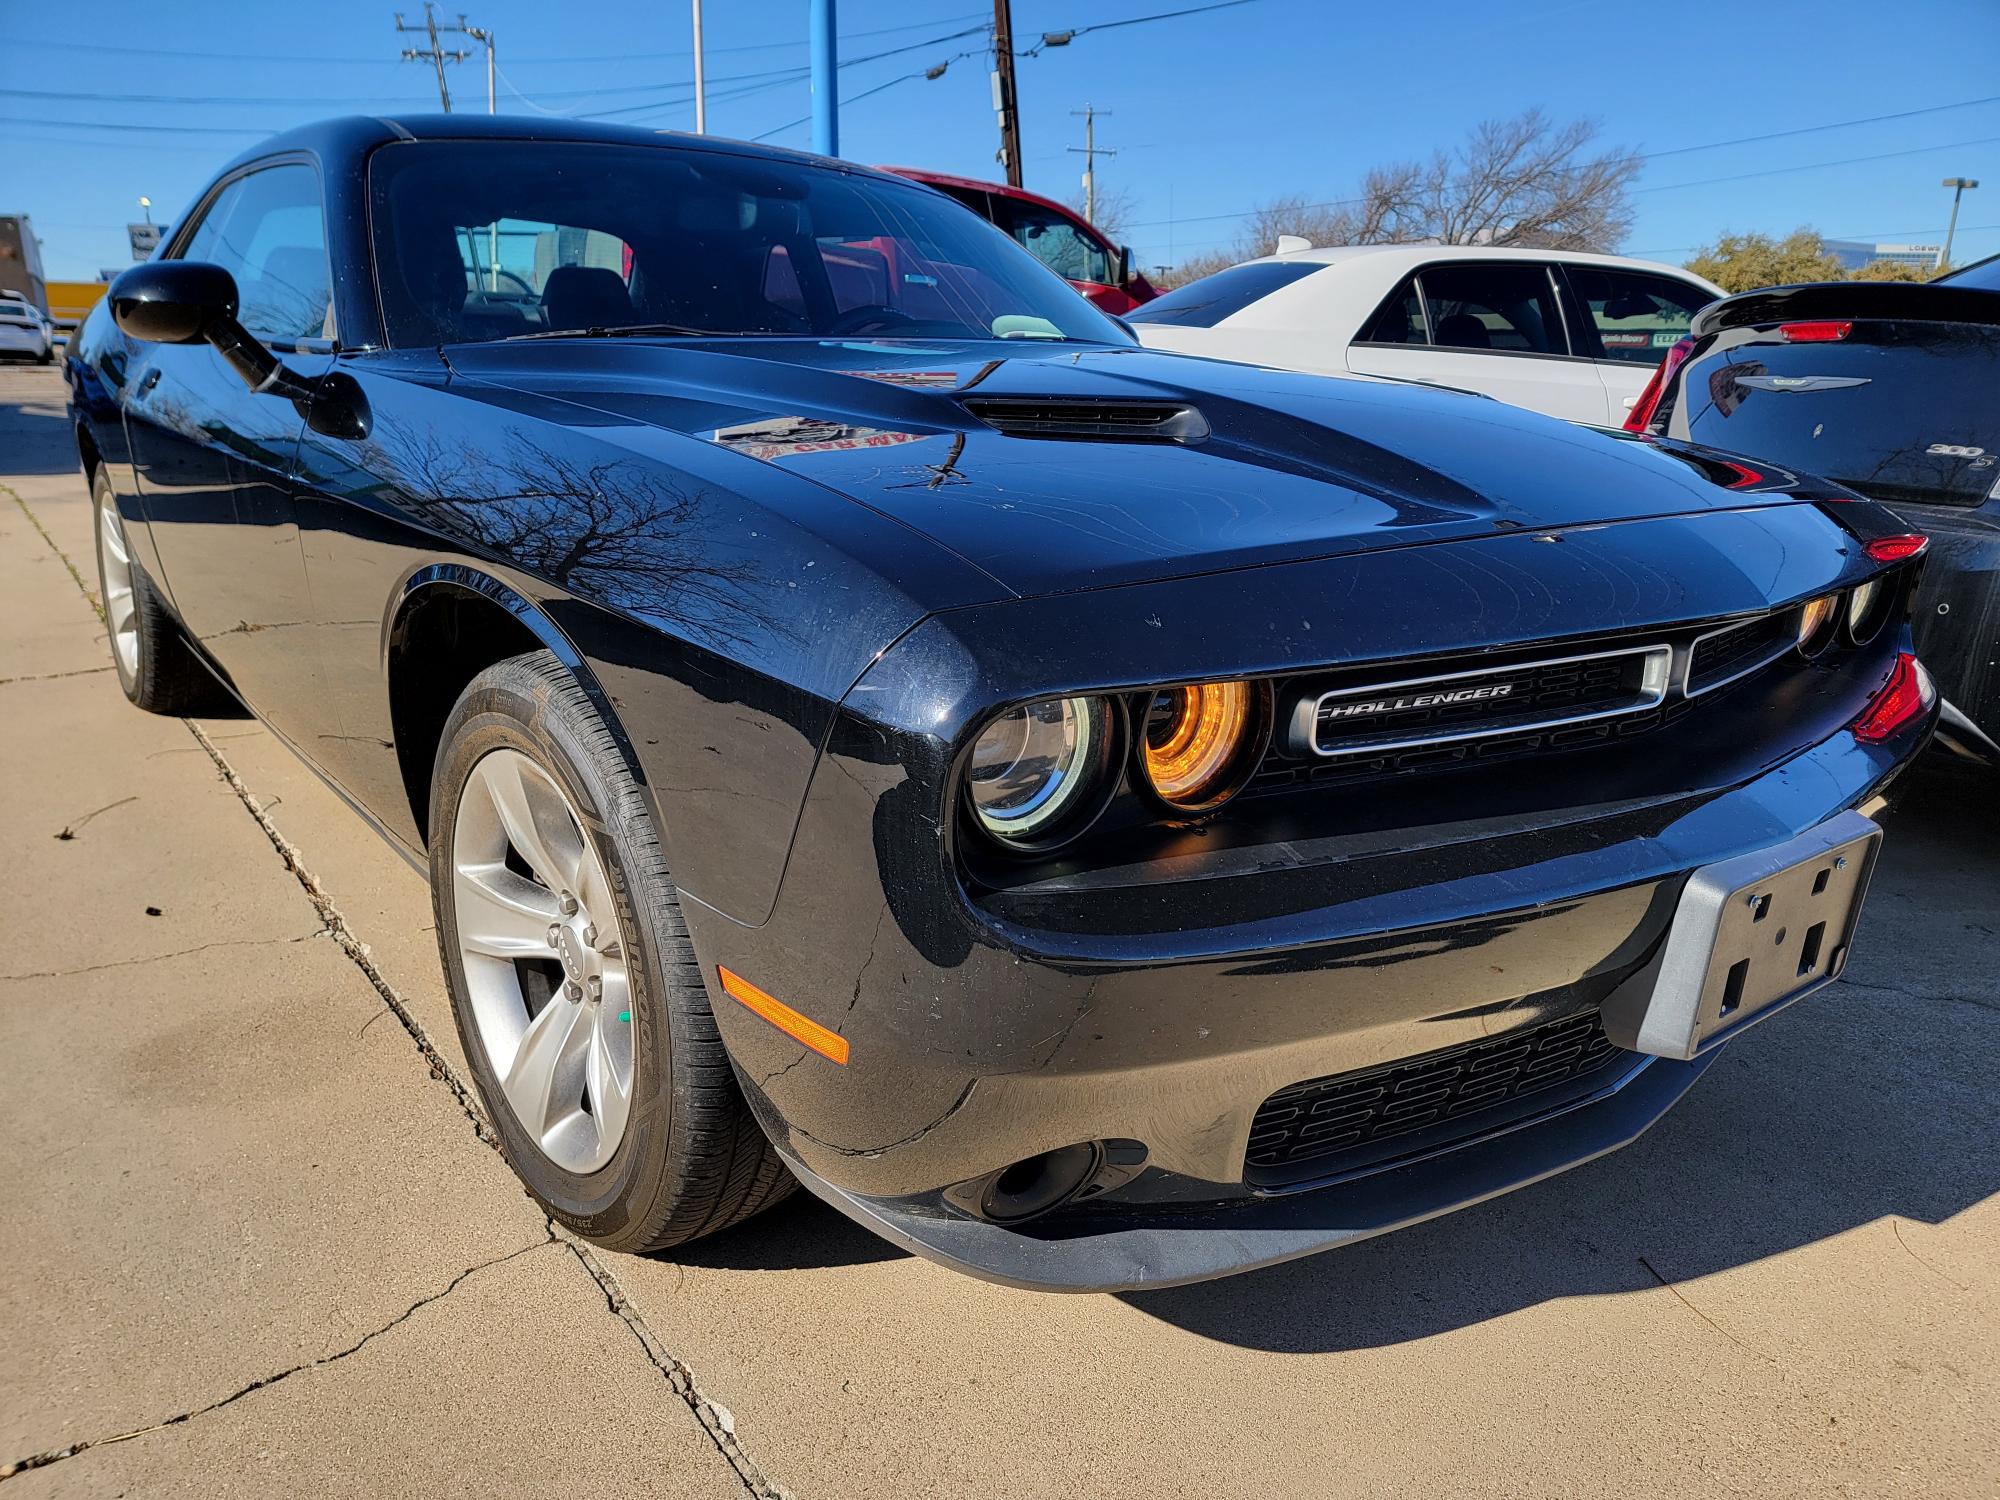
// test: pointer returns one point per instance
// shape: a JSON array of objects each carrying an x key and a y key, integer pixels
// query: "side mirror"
[
  {"x": 1126, "y": 264},
  {"x": 193, "y": 302},
  {"x": 173, "y": 301}
]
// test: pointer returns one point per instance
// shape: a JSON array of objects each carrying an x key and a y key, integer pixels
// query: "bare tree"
[
  {"x": 1523, "y": 181},
  {"x": 1114, "y": 206}
]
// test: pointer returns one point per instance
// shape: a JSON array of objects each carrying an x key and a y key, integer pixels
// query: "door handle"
[{"x": 147, "y": 381}]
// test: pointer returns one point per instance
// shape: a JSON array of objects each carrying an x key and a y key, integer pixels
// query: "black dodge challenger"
[{"x": 1099, "y": 818}]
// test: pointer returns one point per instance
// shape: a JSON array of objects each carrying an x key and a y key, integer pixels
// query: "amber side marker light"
[{"x": 800, "y": 1028}]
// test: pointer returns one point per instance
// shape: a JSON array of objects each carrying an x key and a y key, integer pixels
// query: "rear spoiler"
[{"x": 1902, "y": 301}]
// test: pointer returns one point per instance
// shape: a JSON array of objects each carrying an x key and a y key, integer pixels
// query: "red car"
[{"x": 1058, "y": 237}]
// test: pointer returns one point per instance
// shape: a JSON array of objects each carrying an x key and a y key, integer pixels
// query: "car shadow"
[
  {"x": 800, "y": 1234},
  {"x": 35, "y": 424}
]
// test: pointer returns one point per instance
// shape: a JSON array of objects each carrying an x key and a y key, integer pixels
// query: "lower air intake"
[{"x": 1328, "y": 1126}]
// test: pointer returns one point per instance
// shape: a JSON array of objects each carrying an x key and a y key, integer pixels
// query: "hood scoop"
[{"x": 1099, "y": 421}]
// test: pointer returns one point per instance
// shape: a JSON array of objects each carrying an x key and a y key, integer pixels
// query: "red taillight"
[
  {"x": 1641, "y": 415},
  {"x": 1814, "y": 333},
  {"x": 1895, "y": 548},
  {"x": 1907, "y": 693}
]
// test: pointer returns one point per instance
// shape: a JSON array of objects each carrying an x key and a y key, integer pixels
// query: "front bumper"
[
  {"x": 1136, "y": 1252},
  {"x": 964, "y": 1062}
]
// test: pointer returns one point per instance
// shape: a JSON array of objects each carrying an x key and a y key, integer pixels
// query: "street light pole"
[{"x": 1958, "y": 185}]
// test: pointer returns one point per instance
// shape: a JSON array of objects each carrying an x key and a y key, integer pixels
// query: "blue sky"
[{"x": 1211, "y": 113}]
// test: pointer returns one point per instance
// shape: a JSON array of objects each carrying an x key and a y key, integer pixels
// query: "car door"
[
  {"x": 1625, "y": 321},
  {"x": 213, "y": 459},
  {"x": 1492, "y": 326}
]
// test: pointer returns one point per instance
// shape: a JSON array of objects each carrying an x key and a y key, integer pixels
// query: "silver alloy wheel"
[
  {"x": 544, "y": 958},
  {"x": 121, "y": 609}
]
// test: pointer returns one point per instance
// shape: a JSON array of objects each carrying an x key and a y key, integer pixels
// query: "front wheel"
[
  {"x": 577, "y": 994},
  {"x": 156, "y": 667}
]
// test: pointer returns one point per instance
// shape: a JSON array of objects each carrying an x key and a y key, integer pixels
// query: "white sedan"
[
  {"x": 23, "y": 330},
  {"x": 1573, "y": 335}
]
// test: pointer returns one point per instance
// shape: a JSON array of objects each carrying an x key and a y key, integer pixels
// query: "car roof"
[
  {"x": 925, "y": 175},
  {"x": 354, "y": 136},
  {"x": 1412, "y": 256}
]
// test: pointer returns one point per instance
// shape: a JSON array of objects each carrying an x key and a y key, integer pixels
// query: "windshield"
[{"x": 478, "y": 240}]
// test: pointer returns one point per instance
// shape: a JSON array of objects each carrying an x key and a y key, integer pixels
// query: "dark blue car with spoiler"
[{"x": 1099, "y": 818}]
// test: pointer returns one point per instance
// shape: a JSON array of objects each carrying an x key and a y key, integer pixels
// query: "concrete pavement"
[{"x": 258, "y": 1243}]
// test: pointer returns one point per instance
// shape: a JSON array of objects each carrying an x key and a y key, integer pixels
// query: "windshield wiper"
[{"x": 627, "y": 331}]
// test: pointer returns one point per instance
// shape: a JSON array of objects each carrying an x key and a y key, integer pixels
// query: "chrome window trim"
[
  {"x": 1689, "y": 690},
  {"x": 1655, "y": 678}
]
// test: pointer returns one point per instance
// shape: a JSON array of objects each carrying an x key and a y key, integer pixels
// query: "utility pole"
[
  {"x": 1005, "y": 103},
  {"x": 1958, "y": 185},
  {"x": 1090, "y": 151},
  {"x": 436, "y": 54},
  {"x": 700, "y": 93}
]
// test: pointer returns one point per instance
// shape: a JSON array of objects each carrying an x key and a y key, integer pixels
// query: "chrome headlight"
[{"x": 1038, "y": 770}]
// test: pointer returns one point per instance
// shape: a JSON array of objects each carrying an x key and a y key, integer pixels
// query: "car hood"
[{"x": 1276, "y": 466}]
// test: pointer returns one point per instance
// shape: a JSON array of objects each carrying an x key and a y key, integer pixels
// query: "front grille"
[
  {"x": 1326, "y": 1126},
  {"x": 1736, "y": 650},
  {"x": 1126, "y": 421},
  {"x": 1540, "y": 695}
]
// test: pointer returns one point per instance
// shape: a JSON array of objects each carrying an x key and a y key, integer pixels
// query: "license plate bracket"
[{"x": 1750, "y": 936}]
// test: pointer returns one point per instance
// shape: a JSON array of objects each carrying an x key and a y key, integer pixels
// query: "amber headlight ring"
[
  {"x": 1195, "y": 746},
  {"x": 1037, "y": 775},
  {"x": 1819, "y": 623}
]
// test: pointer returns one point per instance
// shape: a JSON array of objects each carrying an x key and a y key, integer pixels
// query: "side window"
[
  {"x": 267, "y": 231},
  {"x": 1053, "y": 240},
  {"x": 1491, "y": 305},
  {"x": 1399, "y": 320},
  {"x": 1636, "y": 317}
]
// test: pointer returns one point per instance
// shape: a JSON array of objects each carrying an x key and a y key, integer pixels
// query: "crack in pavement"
[
  {"x": 343, "y": 936},
  {"x": 83, "y": 1445},
  {"x": 715, "y": 1419},
  {"x": 157, "y": 958},
  {"x": 52, "y": 676}
]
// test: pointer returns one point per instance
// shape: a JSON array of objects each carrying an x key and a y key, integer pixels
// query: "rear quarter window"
[{"x": 1204, "y": 303}]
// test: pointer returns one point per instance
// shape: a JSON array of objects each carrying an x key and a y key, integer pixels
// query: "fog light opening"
[{"x": 1036, "y": 1184}]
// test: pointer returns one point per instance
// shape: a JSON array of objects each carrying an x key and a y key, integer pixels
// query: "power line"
[
  {"x": 1813, "y": 166},
  {"x": 1746, "y": 140},
  {"x": 95, "y": 49},
  {"x": 144, "y": 129},
  {"x": 1064, "y": 38},
  {"x": 1776, "y": 135},
  {"x": 790, "y": 75}
]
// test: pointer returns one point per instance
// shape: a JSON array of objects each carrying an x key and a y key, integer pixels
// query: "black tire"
[
  {"x": 167, "y": 678},
  {"x": 693, "y": 1159}
]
